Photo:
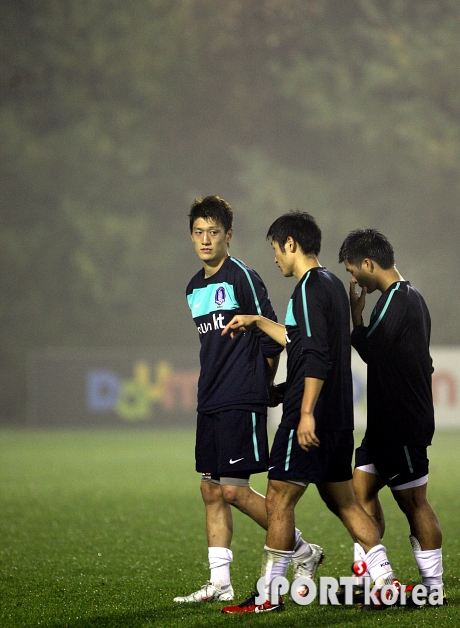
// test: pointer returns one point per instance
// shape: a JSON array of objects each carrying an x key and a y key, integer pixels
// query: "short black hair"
[
  {"x": 301, "y": 227},
  {"x": 212, "y": 208},
  {"x": 370, "y": 243}
]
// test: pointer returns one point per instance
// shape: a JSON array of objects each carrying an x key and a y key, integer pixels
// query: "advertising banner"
[
  {"x": 446, "y": 388},
  {"x": 154, "y": 387},
  {"x": 157, "y": 387}
]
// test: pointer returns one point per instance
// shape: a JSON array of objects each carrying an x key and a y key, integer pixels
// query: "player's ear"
[
  {"x": 368, "y": 264},
  {"x": 290, "y": 244},
  {"x": 229, "y": 235}
]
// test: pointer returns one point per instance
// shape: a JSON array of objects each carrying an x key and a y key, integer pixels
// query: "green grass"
[{"x": 103, "y": 528}]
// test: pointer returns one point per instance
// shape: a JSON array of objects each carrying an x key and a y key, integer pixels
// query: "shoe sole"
[{"x": 183, "y": 600}]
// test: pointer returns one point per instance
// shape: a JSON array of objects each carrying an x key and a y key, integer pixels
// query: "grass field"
[{"x": 104, "y": 528}]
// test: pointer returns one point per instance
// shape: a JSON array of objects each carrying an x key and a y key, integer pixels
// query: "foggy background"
[{"x": 115, "y": 115}]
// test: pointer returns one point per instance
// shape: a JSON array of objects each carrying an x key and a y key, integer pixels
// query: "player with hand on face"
[
  {"x": 400, "y": 414},
  {"x": 233, "y": 395},
  {"x": 314, "y": 441}
]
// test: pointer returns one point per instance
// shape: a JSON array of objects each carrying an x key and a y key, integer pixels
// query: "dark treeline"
[{"x": 115, "y": 115}]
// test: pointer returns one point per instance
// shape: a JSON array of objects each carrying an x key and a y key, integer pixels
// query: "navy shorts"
[
  {"x": 229, "y": 442},
  {"x": 330, "y": 462},
  {"x": 400, "y": 465}
]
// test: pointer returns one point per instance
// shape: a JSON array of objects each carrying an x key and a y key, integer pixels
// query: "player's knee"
[
  {"x": 234, "y": 495},
  {"x": 210, "y": 492},
  {"x": 278, "y": 498},
  {"x": 272, "y": 498}
]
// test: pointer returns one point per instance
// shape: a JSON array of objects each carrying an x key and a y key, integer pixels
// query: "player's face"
[
  {"x": 282, "y": 260},
  {"x": 210, "y": 241},
  {"x": 363, "y": 275}
]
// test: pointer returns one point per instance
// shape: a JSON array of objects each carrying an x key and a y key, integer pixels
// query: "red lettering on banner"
[{"x": 444, "y": 388}]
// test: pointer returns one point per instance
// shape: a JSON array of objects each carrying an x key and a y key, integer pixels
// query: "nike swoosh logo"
[
  {"x": 394, "y": 476},
  {"x": 265, "y": 610},
  {"x": 233, "y": 461},
  {"x": 196, "y": 304},
  {"x": 270, "y": 468}
]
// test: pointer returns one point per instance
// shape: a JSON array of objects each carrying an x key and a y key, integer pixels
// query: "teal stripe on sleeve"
[
  {"x": 202, "y": 301},
  {"x": 245, "y": 270},
  {"x": 384, "y": 309},
  {"x": 305, "y": 308},
  {"x": 289, "y": 319}
]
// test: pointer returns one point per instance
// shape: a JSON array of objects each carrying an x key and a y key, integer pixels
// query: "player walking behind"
[
  {"x": 233, "y": 395},
  {"x": 400, "y": 414},
  {"x": 314, "y": 442}
]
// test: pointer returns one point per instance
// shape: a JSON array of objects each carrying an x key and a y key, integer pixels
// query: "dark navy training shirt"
[
  {"x": 233, "y": 372},
  {"x": 318, "y": 345},
  {"x": 395, "y": 347}
]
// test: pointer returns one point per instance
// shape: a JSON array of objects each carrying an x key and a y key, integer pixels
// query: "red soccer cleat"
[
  {"x": 250, "y": 606},
  {"x": 380, "y": 604}
]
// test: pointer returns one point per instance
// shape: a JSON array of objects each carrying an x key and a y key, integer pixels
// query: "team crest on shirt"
[{"x": 220, "y": 296}]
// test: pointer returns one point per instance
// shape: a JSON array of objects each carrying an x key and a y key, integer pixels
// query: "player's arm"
[
  {"x": 245, "y": 322},
  {"x": 357, "y": 303},
  {"x": 306, "y": 435},
  {"x": 311, "y": 314},
  {"x": 253, "y": 299},
  {"x": 272, "y": 367},
  {"x": 358, "y": 335}
]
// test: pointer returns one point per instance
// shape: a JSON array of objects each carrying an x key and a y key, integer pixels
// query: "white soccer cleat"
[
  {"x": 209, "y": 593},
  {"x": 307, "y": 564}
]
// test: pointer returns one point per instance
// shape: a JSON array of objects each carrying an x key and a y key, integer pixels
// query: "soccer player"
[
  {"x": 314, "y": 442},
  {"x": 233, "y": 395},
  {"x": 400, "y": 414}
]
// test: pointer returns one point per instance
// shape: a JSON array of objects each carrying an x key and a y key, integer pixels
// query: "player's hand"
[
  {"x": 306, "y": 436},
  {"x": 239, "y": 323},
  {"x": 276, "y": 394},
  {"x": 357, "y": 302}
]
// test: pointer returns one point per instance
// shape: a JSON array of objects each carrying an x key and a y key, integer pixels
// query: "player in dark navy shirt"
[
  {"x": 400, "y": 414},
  {"x": 316, "y": 325},
  {"x": 233, "y": 393},
  {"x": 232, "y": 374},
  {"x": 314, "y": 442}
]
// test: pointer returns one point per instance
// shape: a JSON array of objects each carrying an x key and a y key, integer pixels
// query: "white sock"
[
  {"x": 219, "y": 564},
  {"x": 301, "y": 546},
  {"x": 429, "y": 563},
  {"x": 359, "y": 554},
  {"x": 379, "y": 566},
  {"x": 274, "y": 563}
]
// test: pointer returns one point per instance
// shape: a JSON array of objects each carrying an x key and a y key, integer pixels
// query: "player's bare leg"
[
  {"x": 219, "y": 530},
  {"x": 248, "y": 501},
  {"x": 281, "y": 501},
  {"x": 280, "y": 541},
  {"x": 425, "y": 538},
  {"x": 423, "y": 522},
  {"x": 219, "y": 521},
  {"x": 367, "y": 486},
  {"x": 341, "y": 500}
]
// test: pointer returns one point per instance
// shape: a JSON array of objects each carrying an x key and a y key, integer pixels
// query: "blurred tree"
[
  {"x": 374, "y": 88},
  {"x": 113, "y": 115}
]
